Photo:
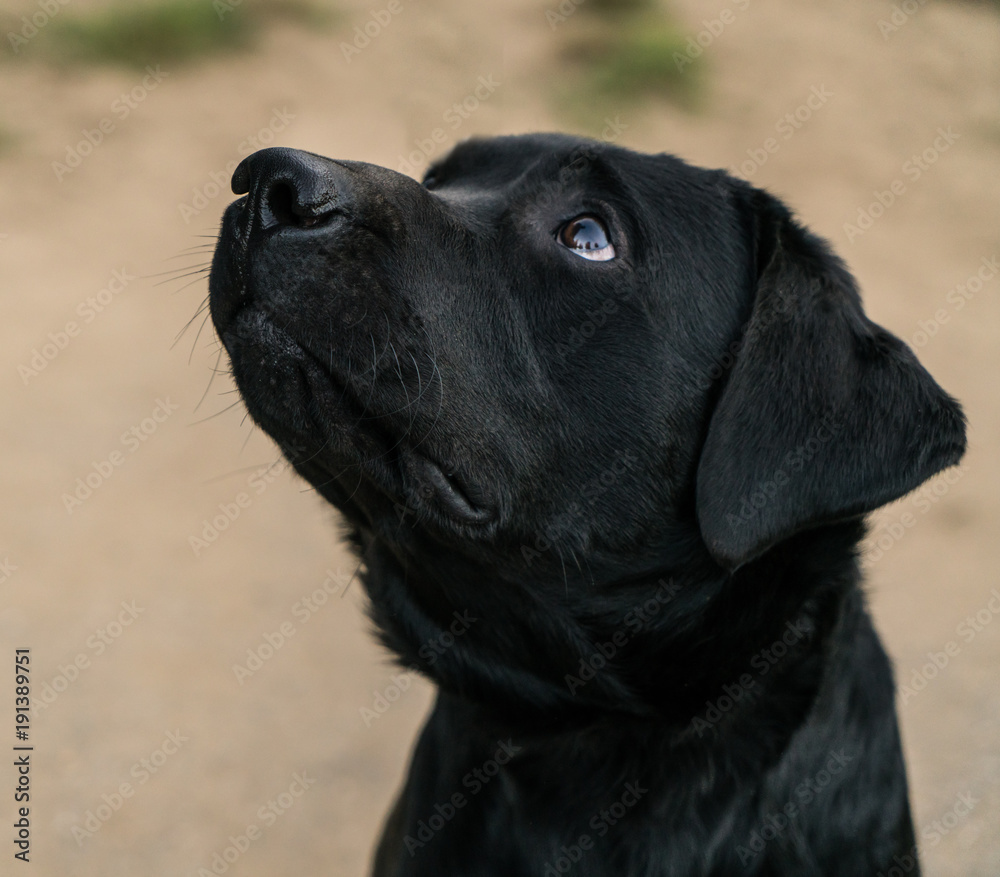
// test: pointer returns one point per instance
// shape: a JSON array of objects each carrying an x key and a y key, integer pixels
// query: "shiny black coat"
[{"x": 641, "y": 482}]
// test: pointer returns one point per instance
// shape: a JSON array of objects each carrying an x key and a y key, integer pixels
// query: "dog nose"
[{"x": 288, "y": 187}]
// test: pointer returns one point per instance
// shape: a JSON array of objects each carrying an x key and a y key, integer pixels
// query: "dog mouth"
[
  {"x": 303, "y": 404},
  {"x": 464, "y": 502}
]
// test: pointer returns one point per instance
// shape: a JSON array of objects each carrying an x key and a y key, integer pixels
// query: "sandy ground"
[{"x": 151, "y": 755}]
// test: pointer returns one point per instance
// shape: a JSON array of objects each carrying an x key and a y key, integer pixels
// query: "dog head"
[{"x": 555, "y": 348}]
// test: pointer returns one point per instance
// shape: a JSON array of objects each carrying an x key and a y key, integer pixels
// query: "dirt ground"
[{"x": 153, "y": 753}]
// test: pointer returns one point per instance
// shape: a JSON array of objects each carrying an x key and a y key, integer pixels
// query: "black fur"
[{"x": 611, "y": 508}]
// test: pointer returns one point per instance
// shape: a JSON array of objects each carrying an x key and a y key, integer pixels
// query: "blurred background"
[{"x": 206, "y": 696}]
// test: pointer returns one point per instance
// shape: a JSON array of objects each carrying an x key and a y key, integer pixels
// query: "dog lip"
[{"x": 454, "y": 496}]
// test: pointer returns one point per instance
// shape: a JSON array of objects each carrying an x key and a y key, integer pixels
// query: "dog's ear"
[{"x": 824, "y": 415}]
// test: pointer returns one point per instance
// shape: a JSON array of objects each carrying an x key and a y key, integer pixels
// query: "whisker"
[
  {"x": 197, "y": 335},
  {"x": 194, "y": 248},
  {"x": 250, "y": 432},
  {"x": 186, "y": 285},
  {"x": 217, "y": 413},
  {"x": 187, "y": 325},
  {"x": 189, "y": 271},
  {"x": 211, "y": 378}
]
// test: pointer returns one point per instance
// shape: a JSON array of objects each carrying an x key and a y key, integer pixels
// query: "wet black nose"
[{"x": 288, "y": 187}]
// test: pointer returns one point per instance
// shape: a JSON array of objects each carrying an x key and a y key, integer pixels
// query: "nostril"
[
  {"x": 289, "y": 188},
  {"x": 280, "y": 199},
  {"x": 283, "y": 205}
]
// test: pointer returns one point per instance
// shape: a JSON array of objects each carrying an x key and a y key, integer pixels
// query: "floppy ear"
[{"x": 825, "y": 415}]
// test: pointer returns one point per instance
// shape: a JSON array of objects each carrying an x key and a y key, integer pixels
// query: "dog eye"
[
  {"x": 430, "y": 180},
  {"x": 587, "y": 237}
]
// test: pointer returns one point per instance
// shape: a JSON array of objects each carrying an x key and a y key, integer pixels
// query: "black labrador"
[{"x": 605, "y": 427}]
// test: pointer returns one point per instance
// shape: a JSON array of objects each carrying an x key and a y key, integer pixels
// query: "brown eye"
[{"x": 587, "y": 237}]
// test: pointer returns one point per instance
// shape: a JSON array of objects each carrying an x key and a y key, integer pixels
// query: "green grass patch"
[
  {"x": 622, "y": 53},
  {"x": 166, "y": 31},
  {"x": 647, "y": 58}
]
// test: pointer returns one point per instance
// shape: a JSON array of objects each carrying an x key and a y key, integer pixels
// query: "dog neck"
[{"x": 542, "y": 658}]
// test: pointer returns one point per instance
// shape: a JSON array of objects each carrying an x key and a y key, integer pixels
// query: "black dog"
[{"x": 605, "y": 427}]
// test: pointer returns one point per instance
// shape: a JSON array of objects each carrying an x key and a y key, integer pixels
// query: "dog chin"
[
  {"x": 276, "y": 377},
  {"x": 307, "y": 411}
]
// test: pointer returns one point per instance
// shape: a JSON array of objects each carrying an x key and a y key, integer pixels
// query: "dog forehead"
[
  {"x": 539, "y": 166},
  {"x": 515, "y": 163},
  {"x": 510, "y": 154}
]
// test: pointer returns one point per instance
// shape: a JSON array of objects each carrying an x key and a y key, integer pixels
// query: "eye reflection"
[{"x": 587, "y": 237}]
